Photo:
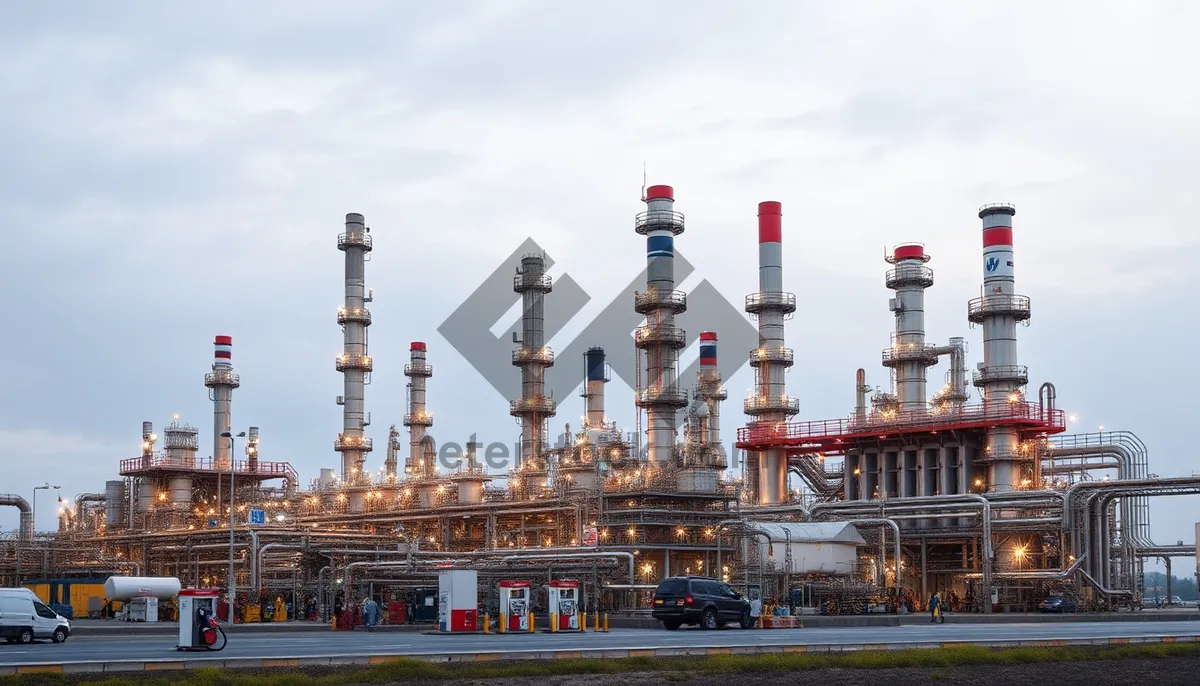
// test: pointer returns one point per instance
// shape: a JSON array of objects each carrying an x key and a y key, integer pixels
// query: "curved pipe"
[
  {"x": 25, "y": 532},
  {"x": 884, "y": 522},
  {"x": 260, "y": 554}
]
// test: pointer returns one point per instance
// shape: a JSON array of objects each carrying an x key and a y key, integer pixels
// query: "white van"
[{"x": 23, "y": 618}]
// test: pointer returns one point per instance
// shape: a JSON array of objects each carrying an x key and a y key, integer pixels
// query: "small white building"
[{"x": 816, "y": 547}]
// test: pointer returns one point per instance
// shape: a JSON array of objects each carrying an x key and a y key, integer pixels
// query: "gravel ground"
[{"x": 1177, "y": 671}]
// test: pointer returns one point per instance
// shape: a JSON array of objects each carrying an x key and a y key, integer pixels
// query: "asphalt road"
[{"x": 294, "y": 645}]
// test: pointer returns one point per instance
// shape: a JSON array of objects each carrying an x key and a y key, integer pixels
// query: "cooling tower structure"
[
  {"x": 220, "y": 383},
  {"x": 181, "y": 442},
  {"x": 533, "y": 409},
  {"x": 703, "y": 456},
  {"x": 659, "y": 339},
  {"x": 354, "y": 363},
  {"x": 1000, "y": 379},
  {"x": 768, "y": 403}
]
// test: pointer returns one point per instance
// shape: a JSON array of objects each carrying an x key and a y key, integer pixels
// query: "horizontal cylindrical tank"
[
  {"x": 123, "y": 588},
  {"x": 114, "y": 503}
]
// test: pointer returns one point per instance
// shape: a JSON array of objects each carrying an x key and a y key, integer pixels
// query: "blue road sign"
[{"x": 258, "y": 517}]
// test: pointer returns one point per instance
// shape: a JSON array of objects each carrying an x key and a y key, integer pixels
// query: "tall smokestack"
[
  {"x": 662, "y": 397},
  {"x": 354, "y": 363},
  {"x": 595, "y": 377},
  {"x": 417, "y": 419},
  {"x": 220, "y": 382},
  {"x": 908, "y": 354},
  {"x": 999, "y": 309},
  {"x": 769, "y": 403},
  {"x": 533, "y": 409}
]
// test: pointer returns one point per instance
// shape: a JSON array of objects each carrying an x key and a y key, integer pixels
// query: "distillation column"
[
  {"x": 220, "y": 383},
  {"x": 662, "y": 398},
  {"x": 181, "y": 442},
  {"x": 533, "y": 409},
  {"x": 354, "y": 363},
  {"x": 998, "y": 310},
  {"x": 768, "y": 403},
  {"x": 417, "y": 419},
  {"x": 908, "y": 354},
  {"x": 703, "y": 455}
]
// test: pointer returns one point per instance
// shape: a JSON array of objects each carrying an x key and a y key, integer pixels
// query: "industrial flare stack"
[
  {"x": 355, "y": 362},
  {"x": 659, "y": 339},
  {"x": 220, "y": 383},
  {"x": 768, "y": 404},
  {"x": 533, "y": 409},
  {"x": 1001, "y": 380}
]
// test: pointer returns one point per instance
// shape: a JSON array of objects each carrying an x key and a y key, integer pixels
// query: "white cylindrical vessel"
[{"x": 123, "y": 588}]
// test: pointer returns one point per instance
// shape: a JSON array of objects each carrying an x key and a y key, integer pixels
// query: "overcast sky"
[{"x": 169, "y": 172}]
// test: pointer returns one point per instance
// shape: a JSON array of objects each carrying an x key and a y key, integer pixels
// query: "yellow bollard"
[
  {"x": 487, "y": 623},
  {"x": 554, "y": 622},
  {"x": 605, "y": 622},
  {"x": 583, "y": 622},
  {"x": 532, "y": 621},
  {"x": 335, "y": 623},
  {"x": 502, "y": 624},
  {"x": 596, "y": 620}
]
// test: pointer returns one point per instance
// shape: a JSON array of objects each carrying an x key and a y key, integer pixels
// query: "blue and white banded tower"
[
  {"x": 703, "y": 455},
  {"x": 220, "y": 383},
  {"x": 661, "y": 397},
  {"x": 354, "y": 363},
  {"x": 768, "y": 403},
  {"x": 595, "y": 377},
  {"x": 1000, "y": 379}
]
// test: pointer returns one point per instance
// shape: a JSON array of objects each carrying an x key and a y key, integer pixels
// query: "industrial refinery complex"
[{"x": 979, "y": 495}]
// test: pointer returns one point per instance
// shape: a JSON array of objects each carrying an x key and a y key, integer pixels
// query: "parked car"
[
  {"x": 699, "y": 600},
  {"x": 1057, "y": 604},
  {"x": 24, "y": 619}
]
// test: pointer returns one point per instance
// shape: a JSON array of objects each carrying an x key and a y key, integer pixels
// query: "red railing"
[
  {"x": 833, "y": 432},
  {"x": 206, "y": 464}
]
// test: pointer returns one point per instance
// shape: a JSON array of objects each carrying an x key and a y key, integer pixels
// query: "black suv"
[{"x": 699, "y": 600}]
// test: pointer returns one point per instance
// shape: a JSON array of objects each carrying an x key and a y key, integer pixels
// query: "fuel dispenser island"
[
  {"x": 564, "y": 605},
  {"x": 515, "y": 597},
  {"x": 198, "y": 628},
  {"x": 458, "y": 595}
]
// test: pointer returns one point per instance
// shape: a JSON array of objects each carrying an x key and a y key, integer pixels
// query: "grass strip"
[{"x": 403, "y": 670}]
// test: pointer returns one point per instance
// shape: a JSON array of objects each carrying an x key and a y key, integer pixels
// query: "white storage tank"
[
  {"x": 124, "y": 588},
  {"x": 816, "y": 547},
  {"x": 114, "y": 504}
]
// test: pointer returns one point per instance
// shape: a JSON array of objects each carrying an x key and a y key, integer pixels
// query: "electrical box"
[
  {"x": 564, "y": 604},
  {"x": 458, "y": 595},
  {"x": 142, "y": 609},
  {"x": 515, "y": 598}
]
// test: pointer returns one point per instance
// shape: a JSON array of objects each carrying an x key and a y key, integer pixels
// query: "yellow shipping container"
[{"x": 42, "y": 591}]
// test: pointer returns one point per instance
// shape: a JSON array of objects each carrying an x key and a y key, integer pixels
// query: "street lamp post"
[
  {"x": 232, "y": 514},
  {"x": 45, "y": 487}
]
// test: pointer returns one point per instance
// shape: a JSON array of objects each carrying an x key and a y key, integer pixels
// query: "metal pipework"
[
  {"x": 908, "y": 355},
  {"x": 534, "y": 409},
  {"x": 662, "y": 398},
  {"x": 703, "y": 455},
  {"x": 999, "y": 309},
  {"x": 956, "y": 392},
  {"x": 608, "y": 554},
  {"x": 25, "y": 532},
  {"x": 769, "y": 402},
  {"x": 355, "y": 363},
  {"x": 417, "y": 418},
  {"x": 220, "y": 383},
  {"x": 896, "y": 554}
]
